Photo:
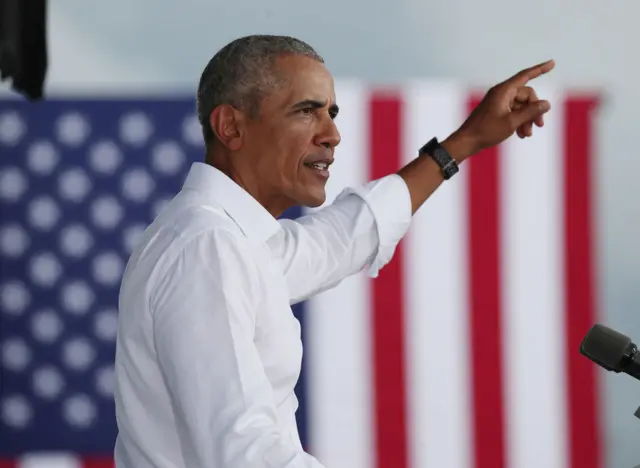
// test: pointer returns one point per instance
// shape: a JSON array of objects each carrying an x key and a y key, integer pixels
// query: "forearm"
[{"x": 423, "y": 175}]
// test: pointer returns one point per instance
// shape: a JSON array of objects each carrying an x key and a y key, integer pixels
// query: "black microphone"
[{"x": 611, "y": 350}]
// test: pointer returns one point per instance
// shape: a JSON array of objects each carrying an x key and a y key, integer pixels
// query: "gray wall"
[{"x": 104, "y": 45}]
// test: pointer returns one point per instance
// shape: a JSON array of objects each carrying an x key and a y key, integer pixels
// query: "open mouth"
[
  {"x": 319, "y": 166},
  {"x": 319, "y": 169}
]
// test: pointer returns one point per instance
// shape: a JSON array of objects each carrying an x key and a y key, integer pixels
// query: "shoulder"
[
  {"x": 193, "y": 235},
  {"x": 203, "y": 237},
  {"x": 186, "y": 223}
]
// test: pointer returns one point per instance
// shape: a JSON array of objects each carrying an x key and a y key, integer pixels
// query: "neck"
[{"x": 275, "y": 203}]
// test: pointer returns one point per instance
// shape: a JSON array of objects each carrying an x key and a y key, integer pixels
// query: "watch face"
[{"x": 447, "y": 164}]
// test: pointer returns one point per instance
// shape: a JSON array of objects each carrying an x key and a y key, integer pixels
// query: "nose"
[{"x": 329, "y": 136}]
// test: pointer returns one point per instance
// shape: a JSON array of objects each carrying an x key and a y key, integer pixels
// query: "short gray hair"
[{"x": 242, "y": 72}]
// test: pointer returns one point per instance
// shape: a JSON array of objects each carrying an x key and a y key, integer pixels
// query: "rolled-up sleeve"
[
  {"x": 204, "y": 318},
  {"x": 360, "y": 229}
]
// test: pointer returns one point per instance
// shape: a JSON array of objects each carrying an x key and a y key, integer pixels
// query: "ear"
[{"x": 227, "y": 125}]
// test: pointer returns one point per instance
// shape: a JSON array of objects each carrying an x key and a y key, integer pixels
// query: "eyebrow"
[{"x": 315, "y": 104}]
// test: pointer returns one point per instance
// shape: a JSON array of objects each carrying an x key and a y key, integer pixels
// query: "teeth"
[{"x": 321, "y": 166}]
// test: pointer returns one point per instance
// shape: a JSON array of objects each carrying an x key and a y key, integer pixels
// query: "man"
[{"x": 208, "y": 350}]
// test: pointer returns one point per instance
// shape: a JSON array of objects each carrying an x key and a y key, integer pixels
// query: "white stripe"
[
  {"x": 338, "y": 339},
  {"x": 436, "y": 292},
  {"x": 44, "y": 460},
  {"x": 533, "y": 312}
]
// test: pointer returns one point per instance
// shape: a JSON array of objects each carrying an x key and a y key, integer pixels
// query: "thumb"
[{"x": 530, "y": 112}]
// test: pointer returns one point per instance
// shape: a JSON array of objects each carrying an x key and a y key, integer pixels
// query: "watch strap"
[{"x": 441, "y": 156}]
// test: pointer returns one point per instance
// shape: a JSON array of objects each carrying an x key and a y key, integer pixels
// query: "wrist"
[{"x": 459, "y": 146}]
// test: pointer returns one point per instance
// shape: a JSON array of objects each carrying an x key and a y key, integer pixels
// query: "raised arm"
[
  {"x": 363, "y": 226},
  {"x": 223, "y": 404},
  {"x": 360, "y": 229}
]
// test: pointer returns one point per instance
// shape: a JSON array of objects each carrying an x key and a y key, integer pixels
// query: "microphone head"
[{"x": 606, "y": 347}]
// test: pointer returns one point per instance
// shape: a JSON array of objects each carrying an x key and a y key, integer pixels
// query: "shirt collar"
[{"x": 252, "y": 218}]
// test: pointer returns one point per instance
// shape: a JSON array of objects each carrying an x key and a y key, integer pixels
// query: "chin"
[{"x": 312, "y": 199}]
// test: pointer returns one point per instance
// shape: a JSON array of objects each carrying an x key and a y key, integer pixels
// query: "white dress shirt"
[{"x": 208, "y": 350}]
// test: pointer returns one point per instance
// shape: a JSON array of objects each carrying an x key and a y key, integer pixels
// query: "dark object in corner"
[{"x": 23, "y": 46}]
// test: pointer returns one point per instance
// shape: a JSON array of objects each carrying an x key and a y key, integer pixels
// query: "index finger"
[{"x": 523, "y": 77}]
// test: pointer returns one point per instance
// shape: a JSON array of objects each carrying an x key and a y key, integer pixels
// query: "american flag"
[{"x": 462, "y": 353}]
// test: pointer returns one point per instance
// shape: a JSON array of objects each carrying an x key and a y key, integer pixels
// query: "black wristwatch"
[{"x": 447, "y": 164}]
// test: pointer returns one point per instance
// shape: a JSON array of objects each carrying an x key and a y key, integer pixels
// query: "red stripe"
[
  {"x": 582, "y": 399},
  {"x": 98, "y": 463},
  {"x": 86, "y": 463},
  {"x": 485, "y": 308},
  {"x": 387, "y": 300}
]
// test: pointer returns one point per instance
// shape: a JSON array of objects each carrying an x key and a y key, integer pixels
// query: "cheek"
[
  {"x": 291, "y": 155},
  {"x": 287, "y": 146},
  {"x": 280, "y": 164},
  {"x": 295, "y": 158}
]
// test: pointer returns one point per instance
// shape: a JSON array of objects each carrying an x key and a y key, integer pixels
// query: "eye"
[{"x": 307, "y": 110}]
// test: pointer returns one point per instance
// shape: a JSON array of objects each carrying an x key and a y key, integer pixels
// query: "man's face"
[{"x": 294, "y": 137}]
